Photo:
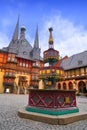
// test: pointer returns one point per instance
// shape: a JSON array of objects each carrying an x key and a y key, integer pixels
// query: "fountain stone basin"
[{"x": 53, "y": 102}]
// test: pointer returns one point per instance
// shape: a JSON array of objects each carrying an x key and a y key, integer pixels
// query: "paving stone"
[{"x": 9, "y": 120}]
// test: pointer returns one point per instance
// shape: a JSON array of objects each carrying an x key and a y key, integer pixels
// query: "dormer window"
[
  {"x": 25, "y": 53},
  {"x": 79, "y": 62}
]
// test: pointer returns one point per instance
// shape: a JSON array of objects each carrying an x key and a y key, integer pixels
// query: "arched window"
[
  {"x": 59, "y": 86},
  {"x": 70, "y": 85},
  {"x": 64, "y": 85}
]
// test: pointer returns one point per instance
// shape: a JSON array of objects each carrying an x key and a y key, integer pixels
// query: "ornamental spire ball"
[
  {"x": 50, "y": 29},
  {"x": 23, "y": 28},
  {"x": 22, "y": 33}
]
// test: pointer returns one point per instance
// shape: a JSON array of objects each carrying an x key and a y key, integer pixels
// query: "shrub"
[{"x": 78, "y": 94}]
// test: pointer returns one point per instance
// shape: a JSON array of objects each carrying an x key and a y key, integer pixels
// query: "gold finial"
[{"x": 50, "y": 37}]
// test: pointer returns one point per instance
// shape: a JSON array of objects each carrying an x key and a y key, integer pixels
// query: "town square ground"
[{"x": 9, "y": 119}]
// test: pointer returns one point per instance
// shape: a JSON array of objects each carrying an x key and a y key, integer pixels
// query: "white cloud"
[
  {"x": 3, "y": 40},
  {"x": 68, "y": 38}
]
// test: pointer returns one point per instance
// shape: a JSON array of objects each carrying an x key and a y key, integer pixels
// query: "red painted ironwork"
[{"x": 52, "y": 98}]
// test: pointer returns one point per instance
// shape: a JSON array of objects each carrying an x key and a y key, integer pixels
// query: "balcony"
[
  {"x": 13, "y": 61},
  {"x": 36, "y": 65},
  {"x": 9, "y": 76},
  {"x": 17, "y": 68},
  {"x": 8, "y": 83},
  {"x": 76, "y": 76},
  {"x": 35, "y": 79}
]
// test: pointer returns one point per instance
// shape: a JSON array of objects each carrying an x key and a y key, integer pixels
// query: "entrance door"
[
  {"x": 82, "y": 87},
  {"x": 22, "y": 84}
]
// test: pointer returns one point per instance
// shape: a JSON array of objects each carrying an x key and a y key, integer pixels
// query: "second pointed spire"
[
  {"x": 36, "y": 42},
  {"x": 15, "y": 34}
]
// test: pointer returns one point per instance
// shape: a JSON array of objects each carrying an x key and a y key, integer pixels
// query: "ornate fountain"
[
  {"x": 47, "y": 99},
  {"x": 50, "y": 73}
]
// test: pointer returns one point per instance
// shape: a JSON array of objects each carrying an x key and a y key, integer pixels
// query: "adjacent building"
[{"x": 75, "y": 68}]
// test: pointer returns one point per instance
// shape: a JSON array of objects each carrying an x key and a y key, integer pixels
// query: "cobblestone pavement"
[{"x": 9, "y": 120}]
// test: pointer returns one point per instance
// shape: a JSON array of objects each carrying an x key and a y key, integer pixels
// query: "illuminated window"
[
  {"x": 73, "y": 72},
  {"x": 12, "y": 59},
  {"x": 48, "y": 71},
  {"x": 23, "y": 64},
  {"x": 86, "y": 70},
  {"x": 68, "y": 73},
  {"x": 37, "y": 64},
  {"x": 26, "y": 65},
  {"x": 10, "y": 73},
  {"x": 77, "y": 71},
  {"x": 43, "y": 71},
  {"x": 82, "y": 70},
  {"x": 9, "y": 58},
  {"x": 40, "y": 72},
  {"x": 61, "y": 72},
  {"x": 6, "y": 73},
  {"x": 57, "y": 71},
  {"x": 34, "y": 64},
  {"x": 20, "y": 63}
]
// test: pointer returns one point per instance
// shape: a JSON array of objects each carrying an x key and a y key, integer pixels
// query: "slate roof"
[
  {"x": 21, "y": 47},
  {"x": 24, "y": 48},
  {"x": 75, "y": 61}
]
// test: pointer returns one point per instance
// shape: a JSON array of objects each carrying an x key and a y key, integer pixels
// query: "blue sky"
[{"x": 67, "y": 17}]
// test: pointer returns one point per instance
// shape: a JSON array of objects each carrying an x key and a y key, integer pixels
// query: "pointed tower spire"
[
  {"x": 15, "y": 34},
  {"x": 51, "y": 38},
  {"x": 36, "y": 42}
]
